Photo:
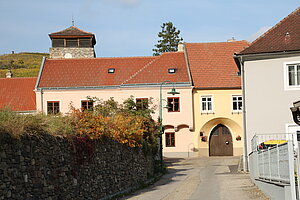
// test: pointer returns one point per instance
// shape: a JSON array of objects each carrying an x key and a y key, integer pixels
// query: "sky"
[{"x": 130, "y": 27}]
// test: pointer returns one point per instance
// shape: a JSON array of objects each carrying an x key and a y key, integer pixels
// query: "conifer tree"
[{"x": 169, "y": 39}]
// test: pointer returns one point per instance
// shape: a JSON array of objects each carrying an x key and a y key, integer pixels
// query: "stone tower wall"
[{"x": 60, "y": 52}]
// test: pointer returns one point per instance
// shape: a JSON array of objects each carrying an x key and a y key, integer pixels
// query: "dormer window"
[
  {"x": 171, "y": 70},
  {"x": 111, "y": 70}
]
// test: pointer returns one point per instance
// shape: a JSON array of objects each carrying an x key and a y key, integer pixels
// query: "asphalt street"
[{"x": 201, "y": 178}]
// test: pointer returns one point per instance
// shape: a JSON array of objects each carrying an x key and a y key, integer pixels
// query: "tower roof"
[{"x": 71, "y": 32}]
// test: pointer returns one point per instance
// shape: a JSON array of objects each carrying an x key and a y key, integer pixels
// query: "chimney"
[
  {"x": 9, "y": 74},
  {"x": 180, "y": 47},
  {"x": 231, "y": 39}
]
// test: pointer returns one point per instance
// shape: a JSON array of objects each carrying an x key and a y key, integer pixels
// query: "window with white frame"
[
  {"x": 206, "y": 103},
  {"x": 237, "y": 103},
  {"x": 293, "y": 71}
]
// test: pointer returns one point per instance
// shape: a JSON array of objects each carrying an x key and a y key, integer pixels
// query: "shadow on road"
[{"x": 172, "y": 172}]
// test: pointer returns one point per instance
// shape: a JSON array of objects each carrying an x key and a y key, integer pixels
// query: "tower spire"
[{"x": 72, "y": 20}]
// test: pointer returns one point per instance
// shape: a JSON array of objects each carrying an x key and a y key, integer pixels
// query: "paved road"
[{"x": 213, "y": 178}]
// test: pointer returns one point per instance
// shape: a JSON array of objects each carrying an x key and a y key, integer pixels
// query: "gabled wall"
[
  {"x": 222, "y": 114},
  {"x": 267, "y": 102}
]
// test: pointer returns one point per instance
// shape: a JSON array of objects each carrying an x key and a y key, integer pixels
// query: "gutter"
[
  {"x": 179, "y": 84},
  {"x": 217, "y": 88},
  {"x": 38, "y": 82},
  {"x": 261, "y": 56}
]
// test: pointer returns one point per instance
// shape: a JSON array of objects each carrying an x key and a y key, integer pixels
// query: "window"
[
  {"x": 237, "y": 103},
  {"x": 171, "y": 70},
  {"x": 111, "y": 70},
  {"x": 58, "y": 42},
  {"x": 173, "y": 104},
  {"x": 141, "y": 103},
  {"x": 71, "y": 43},
  {"x": 53, "y": 107},
  {"x": 85, "y": 42},
  {"x": 87, "y": 105},
  {"x": 206, "y": 103},
  {"x": 294, "y": 75},
  {"x": 170, "y": 139}
]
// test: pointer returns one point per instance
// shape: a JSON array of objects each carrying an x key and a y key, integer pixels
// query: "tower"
[{"x": 72, "y": 42}]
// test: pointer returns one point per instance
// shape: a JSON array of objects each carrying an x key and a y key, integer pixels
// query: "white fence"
[{"x": 275, "y": 164}]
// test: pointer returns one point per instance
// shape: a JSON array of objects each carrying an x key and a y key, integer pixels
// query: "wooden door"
[{"x": 220, "y": 141}]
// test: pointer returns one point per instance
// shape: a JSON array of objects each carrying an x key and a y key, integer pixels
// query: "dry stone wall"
[{"x": 52, "y": 167}]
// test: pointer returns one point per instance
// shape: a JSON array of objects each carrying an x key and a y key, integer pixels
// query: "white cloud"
[
  {"x": 125, "y": 2},
  {"x": 261, "y": 31}
]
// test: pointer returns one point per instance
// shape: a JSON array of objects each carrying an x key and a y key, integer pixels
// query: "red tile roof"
[
  {"x": 18, "y": 94},
  {"x": 284, "y": 36},
  {"x": 89, "y": 72},
  {"x": 93, "y": 72},
  {"x": 157, "y": 70},
  {"x": 212, "y": 64}
]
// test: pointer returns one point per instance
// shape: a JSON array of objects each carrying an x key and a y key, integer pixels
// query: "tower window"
[
  {"x": 71, "y": 43},
  {"x": 85, "y": 42},
  {"x": 58, "y": 43}
]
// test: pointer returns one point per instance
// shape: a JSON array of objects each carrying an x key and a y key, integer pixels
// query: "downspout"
[
  {"x": 245, "y": 157},
  {"x": 42, "y": 100}
]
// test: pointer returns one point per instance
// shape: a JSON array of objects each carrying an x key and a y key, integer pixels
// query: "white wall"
[{"x": 267, "y": 102}]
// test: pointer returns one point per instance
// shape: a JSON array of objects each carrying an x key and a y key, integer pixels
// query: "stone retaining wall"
[{"x": 49, "y": 167}]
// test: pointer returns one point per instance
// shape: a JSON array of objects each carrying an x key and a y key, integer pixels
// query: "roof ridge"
[
  {"x": 272, "y": 28},
  {"x": 136, "y": 73},
  {"x": 81, "y": 30},
  {"x": 100, "y": 58},
  {"x": 17, "y": 78},
  {"x": 217, "y": 42}
]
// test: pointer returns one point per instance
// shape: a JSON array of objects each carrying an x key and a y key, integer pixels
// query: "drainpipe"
[
  {"x": 245, "y": 157},
  {"x": 42, "y": 100}
]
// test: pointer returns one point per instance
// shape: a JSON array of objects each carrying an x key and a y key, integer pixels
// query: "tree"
[{"x": 169, "y": 39}]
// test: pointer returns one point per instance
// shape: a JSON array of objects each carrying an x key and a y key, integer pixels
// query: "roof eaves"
[
  {"x": 178, "y": 84},
  {"x": 187, "y": 63},
  {"x": 40, "y": 73},
  {"x": 217, "y": 88},
  {"x": 80, "y": 88}
]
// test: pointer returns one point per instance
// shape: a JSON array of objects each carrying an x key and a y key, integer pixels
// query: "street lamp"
[{"x": 173, "y": 92}]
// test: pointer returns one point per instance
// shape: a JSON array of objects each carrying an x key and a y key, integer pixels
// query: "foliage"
[
  {"x": 169, "y": 39},
  {"x": 109, "y": 119},
  {"x": 22, "y": 64},
  {"x": 16, "y": 124},
  {"x": 123, "y": 123}
]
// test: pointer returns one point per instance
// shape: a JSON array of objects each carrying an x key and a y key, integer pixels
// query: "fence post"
[
  {"x": 298, "y": 165},
  {"x": 278, "y": 163},
  {"x": 269, "y": 154},
  {"x": 291, "y": 169}
]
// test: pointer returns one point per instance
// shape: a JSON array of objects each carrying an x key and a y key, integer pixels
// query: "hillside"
[{"x": 22, "y": 64}]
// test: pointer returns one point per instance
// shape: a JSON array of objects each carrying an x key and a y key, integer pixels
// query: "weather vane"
[{"x": 72, "y": 20}]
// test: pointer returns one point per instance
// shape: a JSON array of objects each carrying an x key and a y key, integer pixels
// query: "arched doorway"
[{"x": 220, "y": 141}]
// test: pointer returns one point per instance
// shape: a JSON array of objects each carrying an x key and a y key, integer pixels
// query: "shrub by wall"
[{"x": 51, "y": 167}]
